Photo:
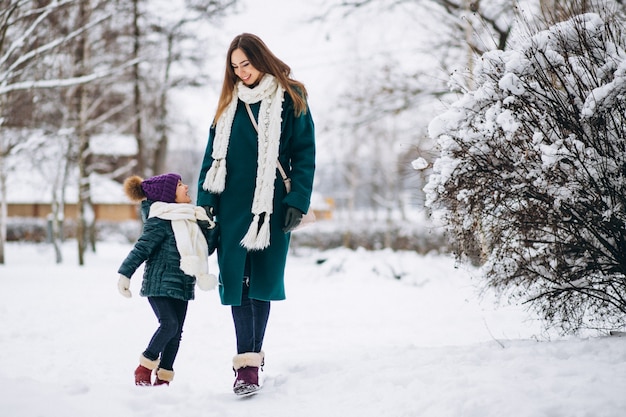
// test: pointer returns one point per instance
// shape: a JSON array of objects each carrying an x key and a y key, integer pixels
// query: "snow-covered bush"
[{"x": 531, "y": 179}]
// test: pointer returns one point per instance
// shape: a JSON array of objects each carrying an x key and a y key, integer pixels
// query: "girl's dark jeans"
[
  {"x": 171, "y": 313},
  {"x": 250, "y": 321}
]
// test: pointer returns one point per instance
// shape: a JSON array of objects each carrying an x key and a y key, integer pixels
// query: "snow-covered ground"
[{"x": 350, "y": 340}]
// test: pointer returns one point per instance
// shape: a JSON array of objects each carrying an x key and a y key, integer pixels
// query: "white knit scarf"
[
  {"x": 271, "y": 95},
  {"x": 190, "y": 241}
]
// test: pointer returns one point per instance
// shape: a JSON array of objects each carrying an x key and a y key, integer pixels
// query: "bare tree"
[
  {"x": 387, "y": 112},
  {"x": 8, "y": 141},
  {"x": 27, "y": 36},
  {"x": 66, "y": 52},
  {"x": 82, "y": 66},
  {"x": 25, "y": 41},
  {"x": 167, "y": 38}
]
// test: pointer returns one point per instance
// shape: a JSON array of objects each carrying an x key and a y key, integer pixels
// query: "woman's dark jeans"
[
  {"x": 166, "y": 340},
  {"x": 250, "y": 320}
]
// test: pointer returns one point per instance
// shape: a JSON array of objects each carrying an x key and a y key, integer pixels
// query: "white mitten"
[
  {"x": 206, "y": 282},
  {"x": 123, "y": 285}
]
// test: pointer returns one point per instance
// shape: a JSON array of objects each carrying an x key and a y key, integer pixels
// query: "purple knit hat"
[{"x": 161, "y": 187}]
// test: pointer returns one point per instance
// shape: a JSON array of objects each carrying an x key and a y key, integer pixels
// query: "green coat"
[
  {"x": 233, "y": 206},
  {"x": 157, "y": 247}
]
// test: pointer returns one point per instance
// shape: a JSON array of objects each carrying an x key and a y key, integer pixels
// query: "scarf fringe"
[
  {"x": 215, "y": 180},
  {"x": 249, "y": 239},
  {"x": 263, "y": 238},
  {"x": 257, "y": 238}
]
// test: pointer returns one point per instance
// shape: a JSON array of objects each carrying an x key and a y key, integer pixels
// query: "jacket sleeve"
[
  {"x": 152, "y": 236},
  {"x": 206, "y": 198},
  {"x": 301, "y": 153}
]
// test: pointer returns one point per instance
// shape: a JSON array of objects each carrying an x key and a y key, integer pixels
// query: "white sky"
[
  {"x": 326, "y": 56},
  {"x": 305, "y": 47}
]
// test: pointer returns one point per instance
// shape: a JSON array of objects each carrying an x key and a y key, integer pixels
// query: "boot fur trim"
[
  {"x": 143, "y": 361},
  {"x": 165, "y": 374},
  {"x": 248, "y": 359}
]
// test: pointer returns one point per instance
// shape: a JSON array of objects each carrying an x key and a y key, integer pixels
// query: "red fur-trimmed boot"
[
  {"x": 246, "y": 367},
  {"x": 143, "y": 373},
  {"x": 163, "y": 376}
]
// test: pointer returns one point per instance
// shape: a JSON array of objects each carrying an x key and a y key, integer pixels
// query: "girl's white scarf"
[
  {"x": 190, "y": 241},
  {"x": 271, "y": 95}
]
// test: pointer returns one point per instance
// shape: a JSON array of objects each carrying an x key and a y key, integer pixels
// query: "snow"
[
  {"x": 419, "y": 164},
  {"x": 350, "y": 340}
]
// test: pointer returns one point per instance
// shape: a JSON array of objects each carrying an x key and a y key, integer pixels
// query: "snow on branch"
[
  {"x": 66, "y": 82},
  {"x": 45, "y": 12}
]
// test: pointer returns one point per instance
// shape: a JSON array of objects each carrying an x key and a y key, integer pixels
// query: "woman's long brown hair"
[{"x": 261, "y": 58}]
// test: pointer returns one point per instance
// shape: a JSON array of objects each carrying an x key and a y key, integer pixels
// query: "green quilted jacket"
[{"x": 157, "y": 248}]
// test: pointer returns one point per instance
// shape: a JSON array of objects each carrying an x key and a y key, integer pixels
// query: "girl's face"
[
  {"x": 243, "y": 68},
  {"x": 182, "y": 193}
]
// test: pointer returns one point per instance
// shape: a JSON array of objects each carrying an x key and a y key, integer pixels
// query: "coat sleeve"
[
  {"x": 301, "y": 153},
  {"x": 206, "y": 198},
  {"x": 210, "y": 235},
  {"x": 152, "y": 236}
]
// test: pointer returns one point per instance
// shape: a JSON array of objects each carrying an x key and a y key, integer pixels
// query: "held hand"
[
  {"x": 123, "y": 285},
  {"x": 209, "y": 212},
  {"x": 293, "y": 217},
  {"x": 213, "y": 235},
  {"x": 214, "y": 238}
]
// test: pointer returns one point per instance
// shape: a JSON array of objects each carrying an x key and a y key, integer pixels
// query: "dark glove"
[
  {"x": 210, "y": 212},
  {"x": 293, "y": 217},
  {"x": 212, "y": 234}
]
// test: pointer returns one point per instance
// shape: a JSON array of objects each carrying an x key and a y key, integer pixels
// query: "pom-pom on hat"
[{"x": 157, "y": 188}]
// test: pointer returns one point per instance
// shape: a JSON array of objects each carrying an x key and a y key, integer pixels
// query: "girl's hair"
[{"x": 261, "y": 58}]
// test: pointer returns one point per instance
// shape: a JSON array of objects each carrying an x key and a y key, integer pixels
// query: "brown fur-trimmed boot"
[
  {"x": 143, "y": 373},
  {"x": 246, "y": 367},
  {"x": 163, "y": 376}
]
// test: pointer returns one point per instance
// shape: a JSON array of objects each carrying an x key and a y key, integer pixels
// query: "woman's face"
[
  {"x": 182, "y": 193},
  {"x": 243, "y": 68}
]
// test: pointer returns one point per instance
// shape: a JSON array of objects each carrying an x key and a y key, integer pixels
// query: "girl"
[
  {"x": 240, "y": 185},
  {"x": 175, "y": 246}
]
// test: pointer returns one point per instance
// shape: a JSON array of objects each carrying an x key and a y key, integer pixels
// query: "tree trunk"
[
  {"x": 161, "y": 150},
  {"x": 84, "y": 200},
  {"x": 54, "y": 229},
  {"x": 3, "y": 207},
  {"x": 58, "y": 203},
  {"x": 141, "y": 166}
]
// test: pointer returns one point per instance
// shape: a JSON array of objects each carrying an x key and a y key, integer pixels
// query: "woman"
[{"x": 239, "y": 184}]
